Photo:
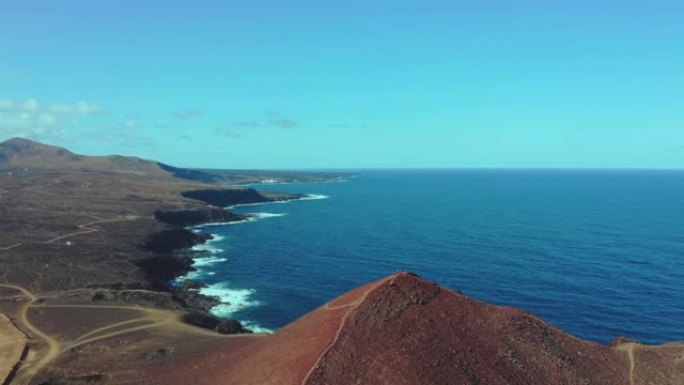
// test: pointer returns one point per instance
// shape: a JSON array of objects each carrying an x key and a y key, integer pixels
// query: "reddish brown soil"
[
  {"x": 404, "y": 330},
  {"x": 285, "y": 357}
]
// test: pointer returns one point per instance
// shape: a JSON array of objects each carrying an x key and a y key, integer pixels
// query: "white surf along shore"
[{"x": 207, "y": 255}]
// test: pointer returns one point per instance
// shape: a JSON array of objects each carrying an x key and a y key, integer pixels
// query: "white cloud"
[
  {"x": 29, "y": 118},
  {"x": 126, "y": 124},
  {"x": 7, "y": 104},
  {"x": 40, "y": 126},
  {"x": 34, "y": 106},
  {"x": 126, "y": 139},
  {"x": 279, "y": 119},
  {"x": 185, "y": 114},
  {"x": 226, "y": 131},
  {"x": 28, "y": 105},
  {"x": 80, "y": 108}
]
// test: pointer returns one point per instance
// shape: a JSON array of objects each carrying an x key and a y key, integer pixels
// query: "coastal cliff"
[{"x": 237, "y": 196}]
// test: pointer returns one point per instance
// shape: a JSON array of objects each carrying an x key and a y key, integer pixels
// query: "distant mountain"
[
  {"x": 20, "y": 153},
  {"x": 403, "y": 330},
  {"x": 189, "y": 174},
  {"x": 20, "y": 149}
]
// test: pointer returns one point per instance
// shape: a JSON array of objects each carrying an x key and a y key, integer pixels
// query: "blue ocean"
[{"x": 598, "y": 253}]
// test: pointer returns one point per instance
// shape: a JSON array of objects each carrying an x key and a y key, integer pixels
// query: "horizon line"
[{"x": 352, "y": 169}]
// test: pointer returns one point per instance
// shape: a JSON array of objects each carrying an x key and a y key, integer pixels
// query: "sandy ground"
[{"x": 12, "y": 343}]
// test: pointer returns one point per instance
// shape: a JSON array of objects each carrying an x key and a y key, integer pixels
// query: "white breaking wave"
[
  {"x": 254, "y": 327},
  {"x": 246, "y": 205},
  {"x": 200, "y": 264},
  {"x": 196, "y": 227},
  {"x": 256, "y": 216},
  {"x": 269, "y": 215},
  {"x": 207, "y": 255},
  {"x": 232, "y": 301},
  {"x": 311, "y": 197},
  {"x": 306, "y": 197},
  {"x": 206, "y": 248},
  {"x": 206, "y": 261}
]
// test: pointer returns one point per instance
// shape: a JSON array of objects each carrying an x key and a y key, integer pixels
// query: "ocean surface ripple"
[{"x": 599, "y": 253}]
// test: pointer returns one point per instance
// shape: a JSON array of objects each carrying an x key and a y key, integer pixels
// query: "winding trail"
[
  {"x": 108, "y": 327},
  {"x": 86, "y": 229},
  {"x": 151, "y": 318},
  {"x": 54, "y": 347},
  {"x": 10, "y": 247},
  {"x": 353, "y": 305}
]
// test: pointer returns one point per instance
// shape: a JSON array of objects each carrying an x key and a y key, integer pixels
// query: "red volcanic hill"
[{"x": 403, "y": 330}]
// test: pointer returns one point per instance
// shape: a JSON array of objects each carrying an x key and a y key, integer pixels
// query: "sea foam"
[
  {"x": 311, "y": 197},
  {"x": 232, "y": 301},
  {"x": 206, "y": 261},
  {"x": 207, "y": 246},
  {"x": 256, "y": 217},
  {"x": 306, "y": 197},
  {"x": 254, "y": 327}
]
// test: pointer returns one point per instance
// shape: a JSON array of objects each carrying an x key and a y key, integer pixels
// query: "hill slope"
[
  {"x": 19, "y": 153},
  {"x": 403, "y": 330}
]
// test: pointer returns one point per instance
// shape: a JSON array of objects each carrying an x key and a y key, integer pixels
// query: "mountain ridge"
[
  {"x": 20, "y": 147},
  {"x": 22, "y": 153}
]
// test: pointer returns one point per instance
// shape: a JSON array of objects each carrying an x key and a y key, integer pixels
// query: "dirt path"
[
  {"x": 54, "y": 346},
  {"x": 10, "y": 247},
  {"x": 629, "y": 348},
  {"x": 151, "y": 318},
  {"x": 351, "y": 306},
  {"x": 86, "y": 229},
  {"x": 108, "y": 327},
  {"x": 155, "y": 317},
  {"x": 12, "y": 348}
]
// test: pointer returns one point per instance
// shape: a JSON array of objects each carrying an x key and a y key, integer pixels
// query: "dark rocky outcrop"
[
  {"x": 226, "y": 197},
  {"x": 231, "y": 326},
  {"x": 168, "y": 240},
  {"x": 164, "y": 263},
  {"x": 184, "y": 218},
  {"x": 208, "y": 321},
  {"x": 192, "y": 298},
  {"x": 162, "y": 268}
]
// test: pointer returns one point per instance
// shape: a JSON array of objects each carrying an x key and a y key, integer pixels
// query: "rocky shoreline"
[{"x": 173, "y": 255}]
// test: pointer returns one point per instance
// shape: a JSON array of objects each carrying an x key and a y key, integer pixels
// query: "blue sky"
[{"x": 352, "y": 84}]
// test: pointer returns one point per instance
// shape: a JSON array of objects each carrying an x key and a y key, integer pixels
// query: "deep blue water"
[{"x": 597, "y": 253}]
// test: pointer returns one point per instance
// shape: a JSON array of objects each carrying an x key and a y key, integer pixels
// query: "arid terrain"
[{"x": 88, "y": 246}]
